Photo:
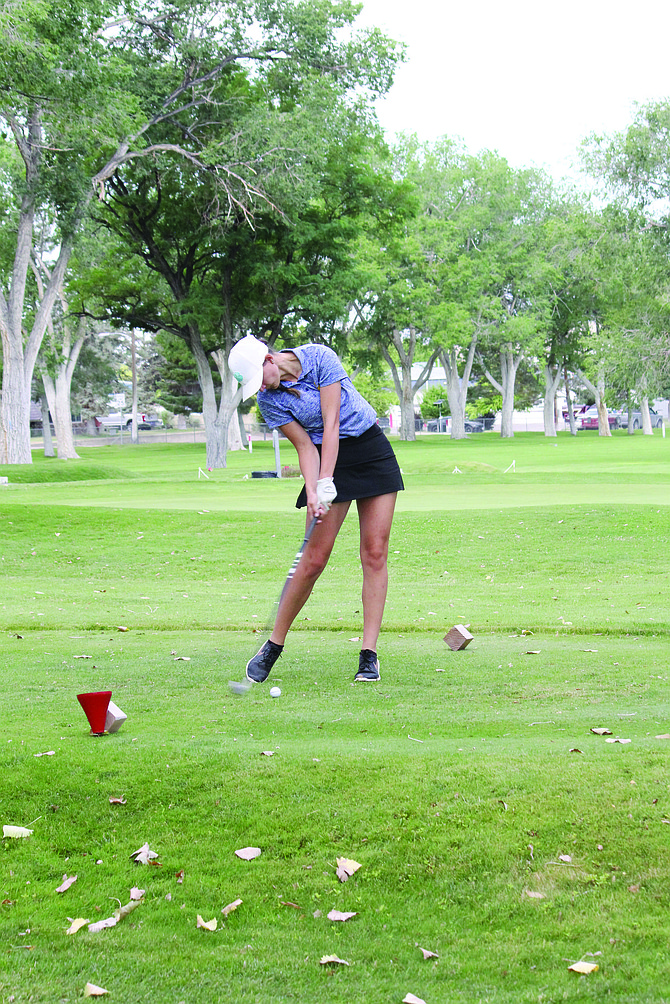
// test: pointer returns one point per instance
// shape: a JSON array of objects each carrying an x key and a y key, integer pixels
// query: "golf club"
[{"x": 243, "y": 686}]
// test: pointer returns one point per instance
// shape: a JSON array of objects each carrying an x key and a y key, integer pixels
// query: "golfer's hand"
[{"x": 326, "y": 493}]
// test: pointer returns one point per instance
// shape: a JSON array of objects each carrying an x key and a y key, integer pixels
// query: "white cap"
[{"x": 246, "y": 364}]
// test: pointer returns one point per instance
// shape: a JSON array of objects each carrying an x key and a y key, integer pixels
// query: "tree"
[{"x": 90, "y": 86}]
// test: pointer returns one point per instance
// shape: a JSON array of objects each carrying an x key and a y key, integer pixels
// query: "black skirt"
[{"x": 366, "y": 466}]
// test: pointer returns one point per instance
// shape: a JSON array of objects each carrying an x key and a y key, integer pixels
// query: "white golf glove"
[{"x": 326, "y": 492}]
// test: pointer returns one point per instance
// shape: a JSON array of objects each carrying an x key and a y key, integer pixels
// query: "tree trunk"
[
  {"x": 134, "y": 435},
  {"x": 598, "y": 391},
  {"x": 457, "y": 388},
  {"x": 508, "y": 367},
  {"x": 646, "y": 418},
  {"x": 47, "y": 441},
  {"x": 552, "y": 378},
  {"x": 568, "y": 399}
]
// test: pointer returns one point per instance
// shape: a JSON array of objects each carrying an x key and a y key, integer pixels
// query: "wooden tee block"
[{"x": 459, "y": 637}]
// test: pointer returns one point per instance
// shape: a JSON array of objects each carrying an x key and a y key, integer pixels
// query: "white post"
[
  {"x": 251, "y": 449},
  {"x": 275, "y": 440}
]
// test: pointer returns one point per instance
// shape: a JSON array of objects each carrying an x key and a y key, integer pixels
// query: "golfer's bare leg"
[
  {"x": 375, "y": 517},
  {"x": 314, "y": 560}
]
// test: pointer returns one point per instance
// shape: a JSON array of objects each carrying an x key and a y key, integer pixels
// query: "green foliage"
[
  {"x": 379, "y": 396},
  {"x": 429, "y": 408}
]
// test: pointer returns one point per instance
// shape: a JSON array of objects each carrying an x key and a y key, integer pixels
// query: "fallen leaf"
[
  {"x": 617, "y": 740},
  {"x": 534, "y": 895},
  {"x": 100, "y": 925},
  {"x": 123, "y": 911},
  {"x": 248, "y": 853},
  {"x": 48, "y": 753},
  {"x": 267, "y": 753},
  {"x": 338, "y": 915},
  {"x": 565, "y": 857},
  {"x": 116, "y": 801},
  {"x": 535, "y": 651},
  {"x": 136, "y": 893},
  {"x": 328, "y": 959},
  {"x": 209, "y": 925},
  {"x": 428, "y": 954},
  {"x": 601, "y": 732},
  {"x": 666, "y": 735},
  {"x": 633, "y": 888},
  {"x": 121, "y": 628},
  {"x": 90, "y": 990},
  {"x": 411, "y": 999},
  {"x": 180, "y": 876},
  {"x": 583, "y": 967},
  {"x": 231, "y": 906},
  {"x": 574, "y": 750},
  {"x": 82, "y": 656},
  {"x": 183, "y": 658},
  {"x": 345, "y": 868},
  {"x": 143, "y": 855},
  {"x": 66, "y": 883},
  {"x": 285, "y": 902},
  {"x": 76, "y": 925},
  {"x": 16, "y": 831}
]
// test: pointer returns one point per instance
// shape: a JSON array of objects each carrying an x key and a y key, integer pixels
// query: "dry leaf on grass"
[
  {"x": 16, "y": 831},
  {"x": 602, "y": 732},
  {"x": 66, "y": 883},
  {"x": 267, "y": 753},
  {"x": 123, "y": 911},
  {"x": 100, "y": 925},
  {"x": 565, "y": 858},
  {"x": 412, "y": 999},
  {"x": 121, "y": 627},
  {"x": 209, "y": 925},
  {"x": 231, "y": 906},
  {"x": 116, "y": 801},
  {"x": 428, "y": 954},
  {"x": 583, "y": 967},
  {"x": 143, "y": 855},
  {"x": 90, "y": 990},
  {"x": 48, "y": 753},
  {"x": 338, "y": 915},
  {"x": 248, "y": 853},
  {"x": 534, "y": 895},
  {"x": 332, "y": 959},
  {"x": 136, "y": 893},
  {"x": 76, "y": 924},
  {"x": 183, "y": 658},
  {"x": 346, "y": 868},
  {"x": 617, "y": 740},
  {"x": 179, "y": 876},
  {"x": 666, "y": 735}
]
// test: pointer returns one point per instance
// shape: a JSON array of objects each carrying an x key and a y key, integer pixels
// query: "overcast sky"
[{"x": 527, "y": 79}]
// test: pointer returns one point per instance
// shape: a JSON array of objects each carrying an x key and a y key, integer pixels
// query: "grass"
[{"x": 457, "y": 782}]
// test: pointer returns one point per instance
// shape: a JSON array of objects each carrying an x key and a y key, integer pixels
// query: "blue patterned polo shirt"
[{"x": 320, "y": 368}]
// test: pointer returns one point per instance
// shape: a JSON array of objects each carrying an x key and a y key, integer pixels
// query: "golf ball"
[{"x": 275, "y": 692}]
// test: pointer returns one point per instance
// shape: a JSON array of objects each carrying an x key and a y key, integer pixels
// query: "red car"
[{"x": 589, "y": 419}]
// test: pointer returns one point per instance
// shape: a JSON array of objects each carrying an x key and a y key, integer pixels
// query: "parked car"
[
  {"x": 145, "y": 422},
  {"x": 589, "y": 419},
  {"x": 119, "y": 421},
  {"x": 636, "y": 419},
  {"x": 437, "y": 424}
]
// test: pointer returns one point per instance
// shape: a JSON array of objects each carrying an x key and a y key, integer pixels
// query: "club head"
[{"x": 240, "y": 687}]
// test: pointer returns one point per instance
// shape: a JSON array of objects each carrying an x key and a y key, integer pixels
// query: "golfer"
[{"x": 344, "y": 457}]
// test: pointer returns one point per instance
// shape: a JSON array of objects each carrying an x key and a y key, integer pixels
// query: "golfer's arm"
[
  {"x": 331, "y": 397},
  {"x": 308, "y": 455}
]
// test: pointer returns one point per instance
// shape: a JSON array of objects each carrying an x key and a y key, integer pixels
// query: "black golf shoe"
[
  {"x": 368, "y": 667},
  {"x": 258, "y": 668}
]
